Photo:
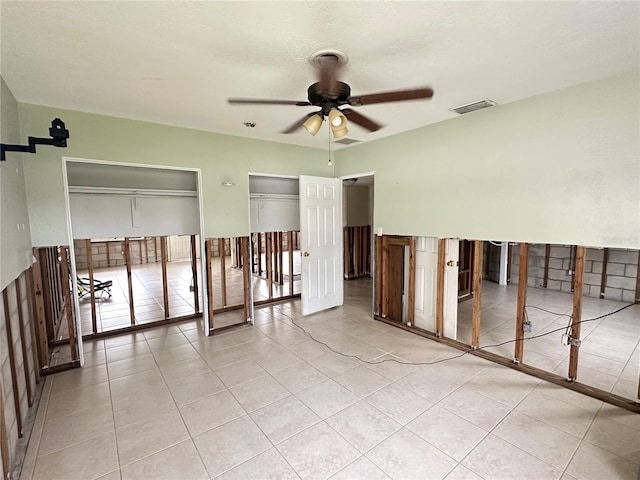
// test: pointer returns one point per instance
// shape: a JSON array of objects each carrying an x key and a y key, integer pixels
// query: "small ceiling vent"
[
  {"x": 473, "y": 106},
  {"x": 347, "y": 141}
]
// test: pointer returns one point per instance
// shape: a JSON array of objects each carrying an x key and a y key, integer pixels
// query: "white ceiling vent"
[
  {"x": 473, "y": 106},
  {"x": 347, "y": 141}
]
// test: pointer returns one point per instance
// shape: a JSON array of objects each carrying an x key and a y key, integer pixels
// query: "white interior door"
[
  {"x": 321, "y": 243},
  {"x": 427, "y": 282}
]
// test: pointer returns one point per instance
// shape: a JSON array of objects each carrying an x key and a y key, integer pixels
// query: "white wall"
[
  {"x": 105, "y": 216},
  {"x": 15, "y": 239},
  {"x": 357, "y": 205},
  {"x": 562, "y": 167},
  {"x": 274, "y": 213}
]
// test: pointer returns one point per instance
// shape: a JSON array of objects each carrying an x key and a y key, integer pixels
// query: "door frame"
[
  {"x": 252, "y": 278},
  {"x": 374, "y": 236},
  {"x": 72, "y": 263}
]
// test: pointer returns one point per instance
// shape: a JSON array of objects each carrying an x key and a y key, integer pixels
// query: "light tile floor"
[{"x": 268, "y": 402}]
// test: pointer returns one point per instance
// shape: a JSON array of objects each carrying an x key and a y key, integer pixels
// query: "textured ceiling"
[{"x": 176, "y": 63}]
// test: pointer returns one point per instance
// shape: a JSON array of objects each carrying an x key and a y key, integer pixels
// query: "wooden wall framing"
[
  {"x": 518, "y": 360},
  {"x": 357, "y": 251},
  {"x": 383, "y": 289},
  {"x": 522, "y": 300},
  {"x": 19, "y": 316}
]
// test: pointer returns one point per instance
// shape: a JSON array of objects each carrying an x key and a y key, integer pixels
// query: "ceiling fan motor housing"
[{"x": 328, "y": 102}]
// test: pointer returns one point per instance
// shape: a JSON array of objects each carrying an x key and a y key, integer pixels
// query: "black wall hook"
[{"x": 59, "y": 135}]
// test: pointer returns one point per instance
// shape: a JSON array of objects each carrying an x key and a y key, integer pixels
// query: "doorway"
[
  {"x": 359, "y": 240},
  {"x": 120, "y": 217}
]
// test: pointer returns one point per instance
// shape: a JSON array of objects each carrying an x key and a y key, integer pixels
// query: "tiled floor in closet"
[{"x": 269, "y": 402}]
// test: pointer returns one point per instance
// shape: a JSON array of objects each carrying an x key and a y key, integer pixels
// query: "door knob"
[
  {"x": 306, "y": 254},
  {"x": 451, "y": 263}
]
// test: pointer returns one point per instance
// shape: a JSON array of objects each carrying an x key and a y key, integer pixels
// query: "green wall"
[
  {"x": 562, "y": 167},
  {"x": 15, "y": 241},
  {"x": 101, "y": 137}
]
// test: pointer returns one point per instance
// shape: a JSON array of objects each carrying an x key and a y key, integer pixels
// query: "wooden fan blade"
[
  {"x": 261, "y": 101},
  {"x": 328, "y": 66},
  {"x": 292, "y": 128},
  {"x": 361, "y": 120},
  {"x": 397, "y": 96}
]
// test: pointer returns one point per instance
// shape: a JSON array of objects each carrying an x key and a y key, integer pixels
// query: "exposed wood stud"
[
  {"x": 522, "y": 300},
  {"x": 246, "y": 278},
  {"x": 194, "y": 274},
  {"x": 276, "y": 258},
  {"x": 146, "y": 249},
  {"x": 385, "y": 272},
  {"x": 33, "y": 316},
  {"x": 576, "y": 315},
  {"x": 259, "y": 253},
  {"x": 4, "y": 441},
  {"x": 280, "y": 259},
  {"x": 274, "y": 265},
  {"x": 290, "y": 248},
  {"x": 356, "y": 252},
  {"x": 155, "y": 249},
  {"x": 347, "y": 252},
  {"x": 209, "y": 259},
  {"x": 43, "y": 347},
  {"x": 49, "y": 301},
  {"x": 165, "y": 288},
  {"x": 378, "y": 276},
  {"x": 92, "y": 289},
  {"x": 603, "y": 278},
  {"x": 638, "y": 285},
  {"x": 442, "y": 254},
  {"x": 64, "y": 265},
  {"x": 547, "y": 254},
  {"x": 127, "y": 261},
  {"x": 223, "y": 270},
  {"x": 268, "y": 257},
  {"x": 12, "y": 361},
  {"x": 411, "y": 301},
  {"x": 509, "y": 252},
  {"x": 108, "y": 245},
  {"x": 477, "y": 293},
  {"x": 23, "y": 342}
]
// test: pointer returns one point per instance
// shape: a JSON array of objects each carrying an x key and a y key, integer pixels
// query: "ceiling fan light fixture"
[
  {"x": 338, "y": 123},
  {"x": 337, "y": 118},
  {"x": 339, "y": 132},
  {"x": 313, "y": 124}
]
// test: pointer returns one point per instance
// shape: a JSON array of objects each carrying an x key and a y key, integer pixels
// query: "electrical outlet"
[
  {"x": 565, "y": 339},
  {"x": 527, "y": 327}
]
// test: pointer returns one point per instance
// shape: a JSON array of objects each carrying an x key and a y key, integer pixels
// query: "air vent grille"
[
  {"x": 347, "y": 141},
  {"x": 473, "y": 106}
]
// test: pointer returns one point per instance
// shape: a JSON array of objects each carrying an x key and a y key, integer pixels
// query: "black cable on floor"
[{"x": 402, "y": 362}]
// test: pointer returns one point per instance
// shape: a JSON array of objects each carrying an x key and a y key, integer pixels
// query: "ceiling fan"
[{"x": 329, "y": 94}]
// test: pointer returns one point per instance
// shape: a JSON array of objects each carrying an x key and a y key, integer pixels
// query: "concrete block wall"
[
  {"x": 491, "y": 257},
  {"x": 6, "y": 383},
  {"x": 621, "y": 274}
]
